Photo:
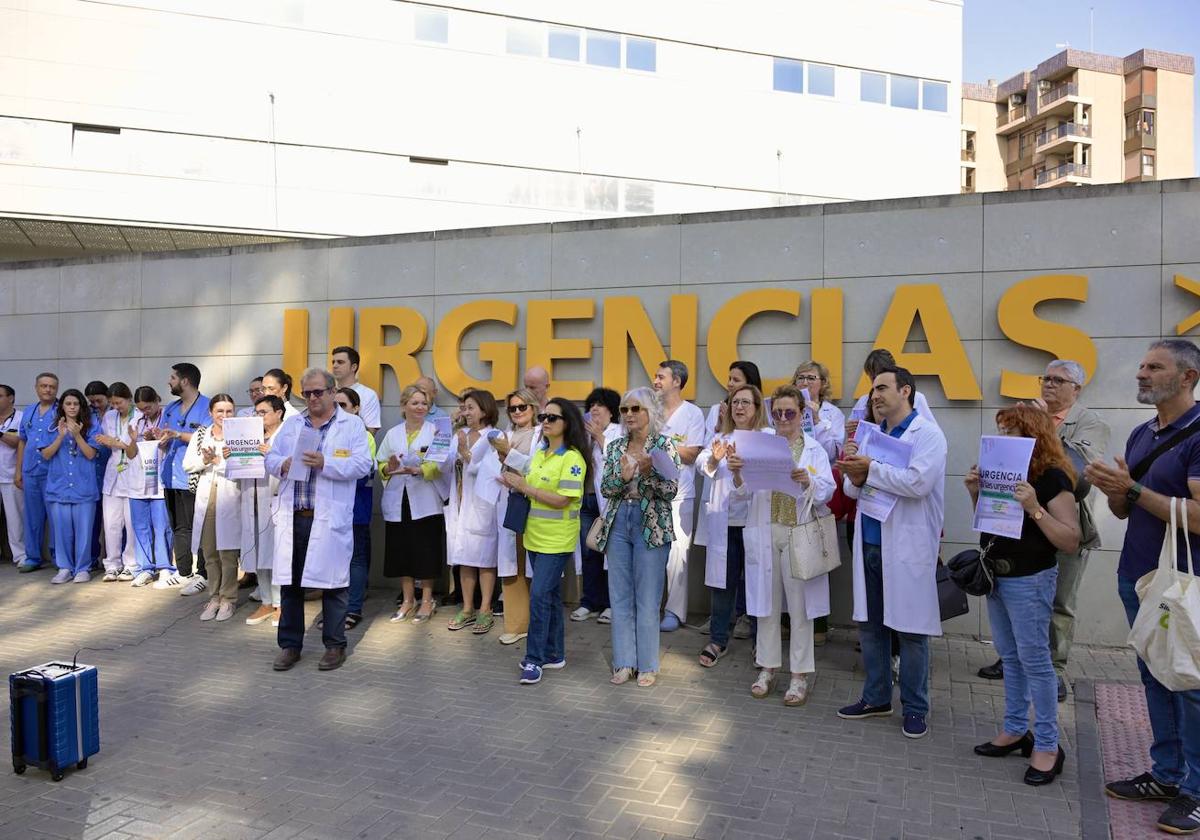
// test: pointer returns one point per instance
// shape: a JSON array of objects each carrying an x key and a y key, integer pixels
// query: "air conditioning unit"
[
  {"x": 1044, "y": 86},
  {"x": 1018, "y": 99}
]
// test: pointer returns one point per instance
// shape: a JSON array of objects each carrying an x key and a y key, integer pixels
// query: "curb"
[{"x": 1089, "y": 763}]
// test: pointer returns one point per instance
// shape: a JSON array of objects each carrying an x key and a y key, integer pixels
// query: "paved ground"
[{"x": 426, "y": 734}]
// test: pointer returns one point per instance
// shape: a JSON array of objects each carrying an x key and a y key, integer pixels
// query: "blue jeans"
[
  {"x": 545, "y": 640},
  {"x": 291, "y": 602},
  {"x": 876, "y": 639},
  {"x": 360, "y": 568},
  {"x": 1174, "y": 718},
  {"x": 152, "y": 534},
  {"x": 724, "y": 600},
  {"x": 595, "y": 579},
  {"x": 36, "y": 515},
  {"x": 73, "y": 535},
  {"x": 1020, "y": 609},
  {"x": 636, "y": 576}
]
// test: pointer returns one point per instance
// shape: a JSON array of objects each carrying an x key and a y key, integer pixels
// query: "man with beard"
[{"x": 180, "y": 419}]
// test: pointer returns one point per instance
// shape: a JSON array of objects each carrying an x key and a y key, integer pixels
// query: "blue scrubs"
[
  {"x": 71, "y": 494},
  {"x": 37, "y": 430},
  {"x": 175, "y": 418}
]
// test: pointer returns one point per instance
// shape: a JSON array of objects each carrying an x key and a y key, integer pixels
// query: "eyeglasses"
[
  {"x": 741, "y": 403},
  {"x": 785, "y": 413},
  {"x": 255, "y": 392},
  {"x": 549, "y": 418},
  {"x": 263, "y": 412},
  {"x": 629, "y": 409},
  {"x": 315, "y": 393},
  {"x": 517, "y": 409},
  {"x": 808, "y": 377},
  {"x": 1055, "y": 381}
]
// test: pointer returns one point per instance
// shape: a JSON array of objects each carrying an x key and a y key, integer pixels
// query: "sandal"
[
  {"x": 711, "y": 653},
  {"x": 621, "y": 676},
  {"x": 403, "y": 612},
  {"x": 463, "y": 619},
  {"x": 352, "y": 620},
  {"x": 797, "y": 693},
  {"x": 420, "y": 617},
  {"x": 484, "y": 622},
  {"x": 646, "y": 678},
  {"x": 319, "y": 621},
  {"x": 764, "y": 685}
]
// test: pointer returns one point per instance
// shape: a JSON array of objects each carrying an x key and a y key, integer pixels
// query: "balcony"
[
  {"x": 1058, "y": 100},
  {"x": 1066, "y": 173},
  {"x": 1013, "y": 119},
  {"x": 1060, "y": 137},
  {"x": 966, "y": 155}
]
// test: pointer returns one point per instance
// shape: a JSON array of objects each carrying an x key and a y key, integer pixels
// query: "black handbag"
[
  {"x": 972, "y": 571},
  {"x": 952, "y": 601},
  {"x": 517, "y": 512}
]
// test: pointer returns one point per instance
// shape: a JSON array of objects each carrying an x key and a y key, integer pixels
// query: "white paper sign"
[
  {"x": 766, "y": 462},
  {"x": 440, "y": 448},
  {"x": 243, "y": 436},
  {"x": 308, "y": 440},
  {"x": 1003, "y": 461},
  {"x": 148, "y": 455},
  {"x": 663, "y": 464},
  {"x": 875, "y": 503}
]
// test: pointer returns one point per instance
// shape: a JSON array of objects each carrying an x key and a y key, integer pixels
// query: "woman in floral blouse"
[{"x": 637, "y": 534}]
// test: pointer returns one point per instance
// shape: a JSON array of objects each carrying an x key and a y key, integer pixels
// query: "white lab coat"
[
  {"x": 911, "y": 535},
  {"x": 258, "y": 538},
  {"x": 331, "y": 544},
  {"x": 829, "y": 428},
  {"x": 116, "y": 481},
  {"x": 471, "y": 536},
  {"x": 425, "y": 498},
  {"x": 229, "y": 494}
]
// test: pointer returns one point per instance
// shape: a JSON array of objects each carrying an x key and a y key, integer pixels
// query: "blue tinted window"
[
  {"x": 789, "y": 75},
  {"x": 431, "y": 25},
  {"x": 904, "y": 92},
  {"x": 933, "y": 96},
  {"x": 564, "y": 44},
  {"x": 640, "y": 54},
  {"x": 820, "y": 79},
  {"x": 604, "y": 49},
  {"x": 873, "y": 87}
]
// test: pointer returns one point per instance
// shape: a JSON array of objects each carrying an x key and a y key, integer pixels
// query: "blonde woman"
[
  {"x": 514, "y": 447},
  {"x": 823, "y": 420}
]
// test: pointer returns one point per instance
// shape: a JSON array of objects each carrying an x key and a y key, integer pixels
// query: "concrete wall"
[{"x": 130, "y": 318}]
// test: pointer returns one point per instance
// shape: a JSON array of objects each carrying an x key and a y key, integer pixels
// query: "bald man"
[{"x": 537, "y": 379}]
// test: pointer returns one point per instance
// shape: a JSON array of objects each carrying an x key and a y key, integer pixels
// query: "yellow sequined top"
[{"x": 783, "y": 505}]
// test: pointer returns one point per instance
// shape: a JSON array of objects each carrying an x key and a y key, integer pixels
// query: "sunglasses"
[
  {"x": 785, "y": 413},
  {"x": 549, "y": 418},
  {"x": 517, "y": 409},
  {"x": 315, "y": 393},
  {"x": 629, "y": 409}
]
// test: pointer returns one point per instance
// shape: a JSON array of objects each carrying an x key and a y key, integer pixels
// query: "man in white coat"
[
  {"x": 896, "y": 551},
  {"x": 318, "y": 459}
]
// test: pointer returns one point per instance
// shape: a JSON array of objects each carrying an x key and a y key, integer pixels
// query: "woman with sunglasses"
[
  {"x": 71, "y": 489},
  {"x": 769, "y": 580},
  {"x": 350, "y": 401},
  {"x": 602, "y": 410},
  {"x": 258, "y": 528},
  {"x": 725, "y": 511},
  {"x": 513, "y": 446},
  {"x": 822, "y": 419},
  {"x": 637, "y": 534},
  {"x": 554, "y": 487},
  {"x": 413, "y": 505}
]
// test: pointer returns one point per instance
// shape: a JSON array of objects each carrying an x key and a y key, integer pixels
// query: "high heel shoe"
[
  {"x": 990, "y": 750},
  {"x": 1036, "y": 777}
]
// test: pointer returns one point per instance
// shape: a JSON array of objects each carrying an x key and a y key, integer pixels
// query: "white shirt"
[
  {"x": 686, "y": 427},
  {"x": 368, "y": 408},
  {"x": 8, "y": 454}
]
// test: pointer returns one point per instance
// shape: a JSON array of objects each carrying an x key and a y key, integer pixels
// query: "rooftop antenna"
[{"x": 1091, "y": 29}]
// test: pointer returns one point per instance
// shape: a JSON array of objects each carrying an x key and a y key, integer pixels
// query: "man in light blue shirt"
[{"x": 180, "y": 419}]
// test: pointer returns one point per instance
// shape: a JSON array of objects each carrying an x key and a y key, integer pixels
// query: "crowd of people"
[{"x": 523, "y": 485}]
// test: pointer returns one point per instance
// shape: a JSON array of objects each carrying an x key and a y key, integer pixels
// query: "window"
[
  {"x": 904, "y": 92},
  {"x": 639, "y": 197},
  {"x": 820, "y": 79},
  {"x": 872, "y": 87},
  {"x": 604, "y": 49},
  {"x": 564, "y": 44},
  {"x": 431, "y": 25},
  {"x": 789, "y": 75},
  {"x": 640, "y": 54},
  {"x": 1147, "y": 165},
  {"x": 934, "y": 96},
  {"x": 524, "y": 39}
]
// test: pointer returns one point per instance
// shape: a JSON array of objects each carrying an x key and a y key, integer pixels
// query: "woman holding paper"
[
  {"x": 471, "y": 537},
  {"x": 1022, "y": 600},
  {"x": 637, "y": 534},
  {"x": 412, "y": 503},
  {"x": 258, "y": 526},
  {"x": 147, "y": 507},
  {"x": 117, "y": 433},
  {"x": 828, "y": 421},
  {"x": 217, "y": 525},
  {"x": 725, "y": 511}
]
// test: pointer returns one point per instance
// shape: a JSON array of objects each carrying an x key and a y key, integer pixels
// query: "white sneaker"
[
  {"x": 210, "y": 610},
  {"x": 82, "y": 577},
  {"x": 110, "y": 576},
  {"x": 605, "y": 617},
  {"x": 194, "y": 586},
  {"x": 63, "y": 576},
  {"x": 581, "y": 614},
  {"x": 125, "y": 575},
  {"x": 168, "y": 580},
  {"x": 142, "y": 579},
  {"x": 225, "y": 611}
]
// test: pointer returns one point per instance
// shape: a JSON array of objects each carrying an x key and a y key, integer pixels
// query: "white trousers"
[
  {"x": 682, "y": 518},
  {"x": 13, "y": 501},
  {"x": 118, "y": 525},
  {"x": 770, "y": 643}
]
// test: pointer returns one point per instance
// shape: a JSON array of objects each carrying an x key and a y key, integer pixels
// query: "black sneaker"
[
  {"x": 1181, "y": 817},
  {"x": 1142, "y": 788},
  {"x": 860, "y": 711}
]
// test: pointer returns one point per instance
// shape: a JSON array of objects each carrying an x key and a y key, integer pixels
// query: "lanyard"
[{"x": 120, "y": 433}]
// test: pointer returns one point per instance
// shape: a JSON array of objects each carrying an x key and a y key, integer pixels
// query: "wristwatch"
[
  {"x": 1132, "y": 494},
  {"x": 1038, "y": 514}
]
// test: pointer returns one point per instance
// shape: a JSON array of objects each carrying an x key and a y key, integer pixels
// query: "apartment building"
[{"x": 1080, "y": 118}]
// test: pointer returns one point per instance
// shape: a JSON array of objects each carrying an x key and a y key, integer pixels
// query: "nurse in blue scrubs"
[{"x": 71, "y": 491}]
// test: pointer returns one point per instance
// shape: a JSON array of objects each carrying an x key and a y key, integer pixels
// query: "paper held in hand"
[
  {"x": 148, "y": 455},
  {"x": 308, "y": 440},
  {"x": 882, "y": 447},
  {"x": 1003, "y": 462},
  {"x": 663, "y": 464},
  {"x": 243, "y": 436},
  {"x": 766, "y": 462}
]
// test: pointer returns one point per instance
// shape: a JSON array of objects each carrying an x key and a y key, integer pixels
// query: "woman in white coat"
[
  {"x": 118, "y": 433},
  {"x": 217, "y": 525},
  {"x": 513, "y": 448},
  {"x": 725, "y": 512},
  {"x": 472, "y": 541},
  {"x": 413, "y": 504},
  {"x": 769, "y": 578},
  {"x": 258, "y": 535},
  {"x": 828, "y": 421}
]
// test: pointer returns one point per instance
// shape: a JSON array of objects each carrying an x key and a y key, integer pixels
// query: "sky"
[{"x": 1003, "y": 37}]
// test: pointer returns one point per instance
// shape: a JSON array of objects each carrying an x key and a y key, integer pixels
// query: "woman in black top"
[{"x": 1022, "y": 600}]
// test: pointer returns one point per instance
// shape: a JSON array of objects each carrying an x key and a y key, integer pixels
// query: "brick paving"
[{"x": 426, "y": 734}]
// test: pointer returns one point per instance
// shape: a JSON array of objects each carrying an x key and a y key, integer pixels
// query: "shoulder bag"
[
  {"x": 973, "y": 571},
  {"x": 194, "y": 478},
  {"x": 814, "y": 544}
]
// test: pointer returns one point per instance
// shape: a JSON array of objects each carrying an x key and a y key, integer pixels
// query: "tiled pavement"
[{"x": 426, "y": 734}]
